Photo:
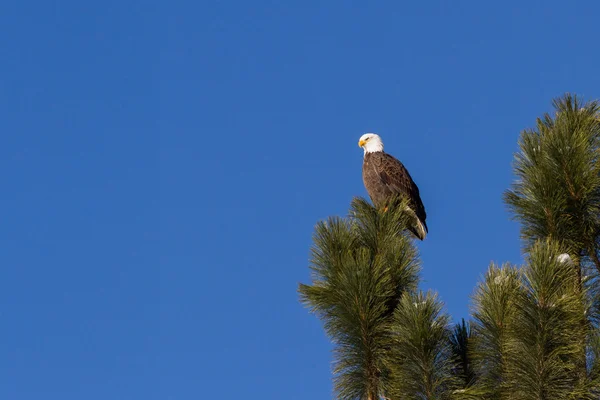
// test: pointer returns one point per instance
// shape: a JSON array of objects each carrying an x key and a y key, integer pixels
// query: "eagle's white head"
[{"x": 370, "y": 142}]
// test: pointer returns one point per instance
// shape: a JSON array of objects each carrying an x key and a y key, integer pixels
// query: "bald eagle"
[{"x": 384, "y": 176}]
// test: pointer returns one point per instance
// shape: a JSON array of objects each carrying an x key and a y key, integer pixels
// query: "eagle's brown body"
[{"x": 385, "y": 176}]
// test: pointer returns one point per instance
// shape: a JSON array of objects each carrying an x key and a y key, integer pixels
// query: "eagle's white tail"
[{"x": 418, "y": 229}]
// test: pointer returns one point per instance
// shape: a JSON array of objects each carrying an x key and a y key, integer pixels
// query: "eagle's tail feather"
[{"x": 419, "y": 229}]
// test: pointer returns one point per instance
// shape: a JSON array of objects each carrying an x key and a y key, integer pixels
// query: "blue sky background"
[{"x": 164, "y": 163}]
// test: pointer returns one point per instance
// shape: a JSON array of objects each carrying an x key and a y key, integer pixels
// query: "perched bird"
[{"x": 384, "y": 177}]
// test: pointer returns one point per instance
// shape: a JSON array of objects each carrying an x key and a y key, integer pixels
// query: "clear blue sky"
[{"x": 163, "y": 166}]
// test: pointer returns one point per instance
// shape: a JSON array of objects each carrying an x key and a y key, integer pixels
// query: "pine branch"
[
  {"x": 493, "y": 315},
  {"x": 557, "y": 192},
  {"x": 422, "y": 355},
  {"x": 546, "y": 345},
  {"x": 361, "y": 267}
]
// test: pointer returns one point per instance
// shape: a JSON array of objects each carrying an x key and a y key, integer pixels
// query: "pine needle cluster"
[
  {"x": 421, "y": 363},
  {"x": 362, "y": 265},
  {"x": 493, "y": 312},
  {"x": 530, "y": 328},
  {"x": 557, "y": 192}
]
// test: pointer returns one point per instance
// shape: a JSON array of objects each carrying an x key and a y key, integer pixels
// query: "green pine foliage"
[
  {"x": 557, "y": 197},
  {"x": 361, "y": 267},
  {"x": 530, "y": 329},
  {"x": 546, "y": 350},
  {"x": 535, "y": 329},
  {"x": 493, "y": 314},
  {"x": 421, "y": 359},
  {"x": 593, "y": 361},
  {"x": 557, "y": 192},
  {"x": 461, "y": 342}
]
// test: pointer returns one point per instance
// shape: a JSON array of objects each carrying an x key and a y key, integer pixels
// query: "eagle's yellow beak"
[{"x": 361, "y": 143}]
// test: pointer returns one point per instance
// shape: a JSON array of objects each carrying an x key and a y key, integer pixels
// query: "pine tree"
[
  {"x": 493, "y": 313},
  {"x": 535, "y": 332},
  {"x": 421, "y": 363},
  {"x": 548, "y": 347},
  {"x": 529, "y": 337},
  {"x": 557, "y": 192},
  {"x": 547, "y": 335},
  {"x": 362, "y": 265}
]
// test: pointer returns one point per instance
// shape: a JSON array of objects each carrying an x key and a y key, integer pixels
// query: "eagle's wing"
[{"x": 396, "y": 177}]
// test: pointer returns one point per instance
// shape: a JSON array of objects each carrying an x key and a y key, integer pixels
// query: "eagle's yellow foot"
[{"x": 385, "y": 209}]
